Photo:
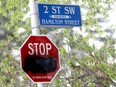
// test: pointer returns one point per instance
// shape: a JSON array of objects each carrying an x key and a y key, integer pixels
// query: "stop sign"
[{"x": 40, "y": 58}]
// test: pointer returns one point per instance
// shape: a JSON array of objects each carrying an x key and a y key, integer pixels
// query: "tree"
[
  {"x": 83, "y": 65},
  {"x": 12, "y": 13}
]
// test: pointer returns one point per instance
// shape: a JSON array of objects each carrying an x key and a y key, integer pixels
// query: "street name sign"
[
  {"x": 59, "y": 15},
  {"x": 40, "y": 59}
]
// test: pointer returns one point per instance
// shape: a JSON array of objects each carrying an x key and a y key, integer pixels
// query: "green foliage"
[{"x": 82, "y": 65}]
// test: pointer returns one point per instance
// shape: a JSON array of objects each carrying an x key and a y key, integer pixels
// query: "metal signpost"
[
  {"x": 59, "y": 15},
  {"x": 34, "y": 23}
]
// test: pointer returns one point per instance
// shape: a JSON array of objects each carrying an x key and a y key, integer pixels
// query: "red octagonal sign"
[{"x": 40, "y": 59}]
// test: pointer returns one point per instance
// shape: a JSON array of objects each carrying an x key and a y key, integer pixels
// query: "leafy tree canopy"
[{"x": 83, "y": 65}]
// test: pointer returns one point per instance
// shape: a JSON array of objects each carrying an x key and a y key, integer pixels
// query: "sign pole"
[
  {"x": 34, "y": 23},
  {"x": 34, "y": 18}
]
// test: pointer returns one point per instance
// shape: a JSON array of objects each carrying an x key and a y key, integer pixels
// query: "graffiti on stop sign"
[{"x": 40, "y": 58}]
